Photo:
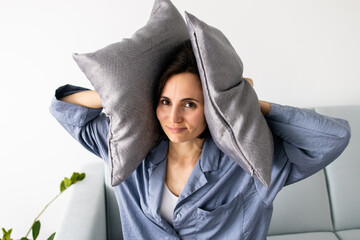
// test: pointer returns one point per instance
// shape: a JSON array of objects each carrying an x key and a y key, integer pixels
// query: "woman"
[{"x": 186, "y": 188}]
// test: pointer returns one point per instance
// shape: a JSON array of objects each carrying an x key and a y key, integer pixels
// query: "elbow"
[
  {"x": 344, "y": 136},
  {"x": 346, "y": 133}
]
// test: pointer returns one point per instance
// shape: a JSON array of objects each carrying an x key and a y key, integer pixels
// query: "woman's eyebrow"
[
  {"x": 189, "y": 99},
  {"x": 182, "y": 100}
]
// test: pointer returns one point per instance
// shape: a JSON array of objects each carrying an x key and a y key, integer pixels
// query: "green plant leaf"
[
  {"x": 75, "y": 177},
  {"x": 36, "y": 229},
  {"x": 67, "y": 182},
  {"x": 24, "y": 238},
  {"x": 6, "y": 234},
  {"x": 82, "y": 176},
  {"x": 62, "y": 186},
  {"x": 51, "y": 237}
]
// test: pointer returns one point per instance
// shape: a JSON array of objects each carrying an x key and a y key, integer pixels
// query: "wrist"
[{"x": 265, "y": 107}]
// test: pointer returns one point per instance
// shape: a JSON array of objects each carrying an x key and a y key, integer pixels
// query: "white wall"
[{"x": 302, "y": 53}]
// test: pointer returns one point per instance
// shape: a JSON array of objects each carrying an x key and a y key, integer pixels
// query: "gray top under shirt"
[{"x": 220, "y": 200}]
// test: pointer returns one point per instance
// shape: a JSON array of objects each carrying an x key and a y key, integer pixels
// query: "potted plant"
[{"x": 35, "y": 227}]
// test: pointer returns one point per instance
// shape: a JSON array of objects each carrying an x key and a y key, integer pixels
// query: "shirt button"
[{"x": 178, "y": 215}]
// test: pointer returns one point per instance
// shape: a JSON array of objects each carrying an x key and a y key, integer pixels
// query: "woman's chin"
[{"x": 176, "y": 139}]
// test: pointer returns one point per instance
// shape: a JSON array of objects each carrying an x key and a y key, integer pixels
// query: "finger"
[{"x": 250, "y": 81}]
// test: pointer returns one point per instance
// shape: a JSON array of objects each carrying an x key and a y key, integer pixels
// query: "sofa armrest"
[{"x": 85, "y": 216}]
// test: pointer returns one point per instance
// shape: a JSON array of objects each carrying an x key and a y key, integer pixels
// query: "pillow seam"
[{"x": 252, "y": 168}]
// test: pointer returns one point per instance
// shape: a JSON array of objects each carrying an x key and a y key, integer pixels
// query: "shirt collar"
[
  {"x": 158, "y": 153},
  {"x": 210, "y": 155}
]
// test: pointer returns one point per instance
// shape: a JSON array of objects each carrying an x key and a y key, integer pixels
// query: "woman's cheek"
[{"x": 160, "y": 113}]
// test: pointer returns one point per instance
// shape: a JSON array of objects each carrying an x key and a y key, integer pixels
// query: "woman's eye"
[
  {"x": 190, "y": 105},
  {"x": 165, "y": 102}
]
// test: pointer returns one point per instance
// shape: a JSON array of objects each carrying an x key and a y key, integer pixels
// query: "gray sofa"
[{"x": 325, "y": 206}]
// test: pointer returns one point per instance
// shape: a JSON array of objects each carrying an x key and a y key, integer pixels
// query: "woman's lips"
[{"x": 175, "y": 130}]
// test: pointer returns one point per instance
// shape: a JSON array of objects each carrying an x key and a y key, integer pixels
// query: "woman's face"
[{"x": 180, "y": 109}]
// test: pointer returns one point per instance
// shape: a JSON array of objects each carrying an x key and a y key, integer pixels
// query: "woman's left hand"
[{"x": 250, "y": 81}]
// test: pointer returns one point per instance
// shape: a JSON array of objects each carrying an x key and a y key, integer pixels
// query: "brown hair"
[{"x": 182, "y": 60}]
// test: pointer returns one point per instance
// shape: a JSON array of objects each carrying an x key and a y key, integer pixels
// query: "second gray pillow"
[{"x": 232, "y": 108}]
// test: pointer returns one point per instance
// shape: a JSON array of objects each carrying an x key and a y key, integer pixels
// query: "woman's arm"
[
  {"x": 79, "y": 111},
  {"x": 311, "y": 140},
  {"x": 88, "y": 99},
  {"x": 265, "y": 107}
]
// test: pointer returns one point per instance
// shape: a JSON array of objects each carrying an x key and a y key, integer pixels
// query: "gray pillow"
[
  {"x": 232, "y": 109},
  {"x": 124, "y": 75}
]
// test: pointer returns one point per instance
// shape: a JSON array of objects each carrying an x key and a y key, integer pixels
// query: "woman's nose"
[{"x": 175, "y": 115}]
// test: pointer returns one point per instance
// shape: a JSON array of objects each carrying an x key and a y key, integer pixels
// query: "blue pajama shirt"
[{"x": 220, "y": 200}]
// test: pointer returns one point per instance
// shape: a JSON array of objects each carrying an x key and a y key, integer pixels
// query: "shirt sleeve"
[
  {"x": 311, "y": 140},
  {"x": 88, "y": 126}
]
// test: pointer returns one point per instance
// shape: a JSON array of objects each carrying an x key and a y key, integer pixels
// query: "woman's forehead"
[{"x": 183, "y": 84}]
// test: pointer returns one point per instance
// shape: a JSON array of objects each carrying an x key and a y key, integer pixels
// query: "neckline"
[{"x": 170, "y": 192}]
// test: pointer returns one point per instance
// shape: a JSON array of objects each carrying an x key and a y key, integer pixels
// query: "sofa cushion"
[
  {"x": 232, "y": 109},
  {"x": 85, "y": 215},
  {"x": 343, "y": 174},
  {"x": 302, "y": 207},
  {"x": 124, "y": 75},
  {"x": 349, "y": 234},
  {"x": 113, "y": 220}
]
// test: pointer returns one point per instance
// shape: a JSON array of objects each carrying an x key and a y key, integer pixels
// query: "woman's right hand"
[{"x": 89, "y": 99}]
